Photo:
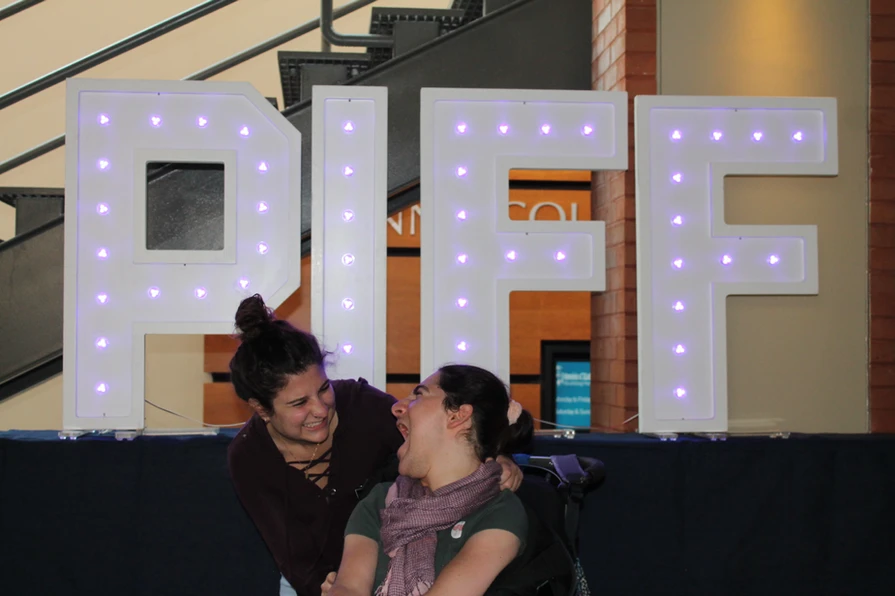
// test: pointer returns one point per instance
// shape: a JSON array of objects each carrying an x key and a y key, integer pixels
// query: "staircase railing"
[
  {"x": 17, "y": 7},
  {"x": 116, "y": 49},
  {"x": 337, "y": 39},
  {"x": 144, "y": 36}
]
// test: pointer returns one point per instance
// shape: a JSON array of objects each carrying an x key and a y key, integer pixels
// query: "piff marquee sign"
[{"x": 118, "y": 289}]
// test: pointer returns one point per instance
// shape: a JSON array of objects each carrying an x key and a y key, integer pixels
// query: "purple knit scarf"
[{"x": 413, "y": 514}]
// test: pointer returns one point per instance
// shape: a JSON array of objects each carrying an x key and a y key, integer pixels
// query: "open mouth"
[
  {"x": 402, "y": 428},
  {"x": 315, "y": 426}
]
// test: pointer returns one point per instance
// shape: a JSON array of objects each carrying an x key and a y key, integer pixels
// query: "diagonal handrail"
[
  {"x": 266, "y": 46},
  {"x": 109, "y": 52},
  {"x": 17, "y": 7},
  {"x": 213, "y": 70}
]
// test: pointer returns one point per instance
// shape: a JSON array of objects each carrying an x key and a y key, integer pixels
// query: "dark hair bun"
[
  {"x": 517, "y": 437},
  {"x": 253, "y": 317}
]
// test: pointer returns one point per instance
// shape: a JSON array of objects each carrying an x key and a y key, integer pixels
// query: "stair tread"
[{"x": 12, "y": 194}]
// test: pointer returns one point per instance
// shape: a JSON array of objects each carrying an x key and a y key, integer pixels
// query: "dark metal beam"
[
  {"x": 17, "y": 7},
  {"x": 337, "y": 39}
]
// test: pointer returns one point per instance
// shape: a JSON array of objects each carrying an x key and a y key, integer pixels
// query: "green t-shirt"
[{"x": 505, "y": 512}]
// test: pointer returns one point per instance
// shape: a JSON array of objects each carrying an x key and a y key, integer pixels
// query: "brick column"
[
  {"x": 624, "y": 59},
  {"x": 881, "y": 233}
]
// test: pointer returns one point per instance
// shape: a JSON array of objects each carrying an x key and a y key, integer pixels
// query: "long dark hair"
[
  {"x": 492, "y": 434},
  {"x": 270, "y": 351}
]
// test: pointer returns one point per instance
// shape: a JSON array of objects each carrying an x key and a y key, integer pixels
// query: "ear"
[
  {"x": 460, "y": 417},
  {"x": 259, "y": 409}
]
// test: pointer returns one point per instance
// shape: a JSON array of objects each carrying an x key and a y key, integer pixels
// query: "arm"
[
  {"x": 358, "y": 567},
  {"x": 474, "y": 568},
  {"x": 261, "y": 500},
  {"x": 263, "y": 492},
  {"x": 510, "y": 475}
]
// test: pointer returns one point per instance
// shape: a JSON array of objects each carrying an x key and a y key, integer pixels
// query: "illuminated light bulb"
[
  {"x": 462, "y": 258},
  {"x": 677, "y": 178},
  {"x": 263, "y": 207},
  {"x": 348, "y": 126},
  {"x": 347, "y": 171},
  {"x": 677, "y": 220},
  {"x": 462, "y": 302},
  {"x": 461, "y": 215},
  {"x": 263, "y": 167},
  {"x": 103, "y": 164},
  {"x": 263, "y": 248},
  {"x": 461, "y": 171},
  {"x": 676, "y": 135},
  {"x": 797, "y": 137},
  {"x": 461, "y": 128},
  {"x": 154, "y": 292},
  {"x": 773, "y": 259},
  {"x": 102, "y": 209},
  {"x": 756, "y": 136},
  {"x": 348, "y": 304},
  {"x": 678, "y": 306},
  {"x": 680, "y": 393},
  {"x": 201, "y": 293},
  {"x": 347, "y": 348},
  {"x": 102, "y": 298},
  {"x": 102, "y": 253},
  {"x": 462, "y": 346},
  {"x": 103, "y": 119},
  {"x": 678, "y": 263},
  {"x": 102, "y": 388},
  {"x": 156, "y": 121},
  {"x": 726, "y": 260},
  {"x": 587, "y": 130},
  {"x": 347, "y": 259},
  {"x": 244, "y": 131},
  {"x": 348, "y": 215},
  {"x": 545, "y": 129},
  {"x": 717, "y": 135},
  {"x": 560, "y": 256},
  {"x": 679, "y": 349},
  {"x": 102, "y": 343},
  {"x": 511, "y": 255},
  {"x": 504, "y": 129},
  {"x": 201, "y": 122},
  {"x": 243, "y": 283}
]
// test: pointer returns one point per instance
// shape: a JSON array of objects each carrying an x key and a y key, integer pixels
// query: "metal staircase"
[{"x": 465, "y": 46}]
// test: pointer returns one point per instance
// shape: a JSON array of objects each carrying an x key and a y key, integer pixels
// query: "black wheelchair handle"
[{"x": 583, "y": 472}]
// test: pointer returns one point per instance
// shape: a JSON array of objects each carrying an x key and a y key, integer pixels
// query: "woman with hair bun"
[
  {"x": 444, "y": 525},
  {"x": 311, "y": 450}
]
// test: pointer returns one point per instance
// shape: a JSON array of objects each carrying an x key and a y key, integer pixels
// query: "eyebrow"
[{"x": 322, "y": 387}]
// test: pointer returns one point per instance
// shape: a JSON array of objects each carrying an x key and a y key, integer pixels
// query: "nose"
[
  {"x": 319, "y": 410},
  {"x": 399, "y": 407}
]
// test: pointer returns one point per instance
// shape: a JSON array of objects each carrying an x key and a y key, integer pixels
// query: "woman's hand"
[
  {"x": 511, "y": 475},
  {"x": 327, "y": 583}
]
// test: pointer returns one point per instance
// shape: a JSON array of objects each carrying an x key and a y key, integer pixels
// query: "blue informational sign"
[{"x": 573, "y": 393}]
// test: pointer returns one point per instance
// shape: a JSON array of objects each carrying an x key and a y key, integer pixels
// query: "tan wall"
[
  {"x": 795, "y": 363},
  {"x": 49, "y": 36}
]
